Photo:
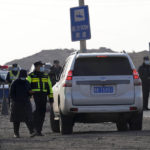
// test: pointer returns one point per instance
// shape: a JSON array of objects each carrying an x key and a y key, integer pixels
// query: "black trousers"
[
  {"x": 16, "y": 125},
  {"x": 146, "y": 90},
  {"x": 39, "y": 114}
]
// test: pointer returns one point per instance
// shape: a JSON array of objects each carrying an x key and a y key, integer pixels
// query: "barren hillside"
[{"x": 62, "y": 54}]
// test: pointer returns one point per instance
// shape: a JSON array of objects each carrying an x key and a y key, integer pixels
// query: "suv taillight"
[
  {"x": 135, "y": 74},
  {"x": 137, "y": 80},
  {"x": 68, "y": 82},
  {"x": 69, "y": 76}
]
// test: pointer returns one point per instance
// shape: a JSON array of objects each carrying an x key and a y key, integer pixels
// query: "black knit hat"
[
  {"x": 14, "y": 65},
  {"x": 38, "y": 63},
  {"x": 56, "y": 62},
  {"x": 23, "y": 74}
]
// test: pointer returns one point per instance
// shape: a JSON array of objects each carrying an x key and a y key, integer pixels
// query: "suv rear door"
[{"x": 102, "y": 80}]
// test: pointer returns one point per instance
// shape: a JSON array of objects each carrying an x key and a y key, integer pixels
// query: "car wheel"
[
  {"x": 122, "y": 125},
  {"x": 65, "y": 124},
  {"x": 54, "y": 123},
  {"x": 136, "y": 121}
]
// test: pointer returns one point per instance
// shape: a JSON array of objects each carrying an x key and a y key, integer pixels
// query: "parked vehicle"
[{"x": 95, "y": 88}]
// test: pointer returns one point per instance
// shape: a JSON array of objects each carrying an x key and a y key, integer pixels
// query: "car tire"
[
  {"x": 122, "y": 125},
  {"x": 65, "y": 124},
  {"x": 136, "y": 122},
  {"x": 54, "y": 123}
]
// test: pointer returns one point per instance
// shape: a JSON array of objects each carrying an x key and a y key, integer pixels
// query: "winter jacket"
[
  {"x": 144, "y": 72},
  {"x": 21, "y": 110}
]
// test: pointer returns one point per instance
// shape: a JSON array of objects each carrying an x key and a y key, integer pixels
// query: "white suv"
[{"x": 97, "y": 87}]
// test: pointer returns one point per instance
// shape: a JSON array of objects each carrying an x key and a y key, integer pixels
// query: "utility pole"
[
  {"x": 82, "y": 42},
  {"x": 149, "y": 47}
]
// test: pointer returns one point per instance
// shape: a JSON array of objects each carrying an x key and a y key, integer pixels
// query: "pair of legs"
[
  {"x": 146, "y": 90},
  {"x": 39, "y": 114},
  {"x": 17, "y": 126}
]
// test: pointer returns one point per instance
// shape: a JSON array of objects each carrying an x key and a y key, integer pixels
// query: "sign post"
[
  {"x": 149, "y": 47},
  {"x": 80, "y": 24},
  {"x": 82, "y": 42}
]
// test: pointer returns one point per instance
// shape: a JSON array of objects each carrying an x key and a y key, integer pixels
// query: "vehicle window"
[
  {"x": 96, "y": 66},
  {"x": 64, "y": 70},
  {"x": 3, "y": 75},
  {"x": 61, "y": 73}
]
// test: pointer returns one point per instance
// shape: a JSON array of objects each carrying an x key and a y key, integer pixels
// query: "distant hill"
[{"x": 62, "y": 54}]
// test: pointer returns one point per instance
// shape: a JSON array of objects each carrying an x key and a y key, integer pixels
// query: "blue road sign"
[{"x": 80, "y": 24}]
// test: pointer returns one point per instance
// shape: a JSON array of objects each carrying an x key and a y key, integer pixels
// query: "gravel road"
[{"x": 85, "y": 137}]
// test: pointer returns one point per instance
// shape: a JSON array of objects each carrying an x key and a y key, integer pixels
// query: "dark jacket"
[
  {"x": 21, "y": 107},
  {"x": 144, "y": 72},
  {"x": 40, "y": 82},
  {"x": 55, "y": 74}
]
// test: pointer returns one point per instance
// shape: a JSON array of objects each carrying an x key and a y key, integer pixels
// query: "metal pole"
[
  {"x": 149, "y": 47},
  {"x": 82, "y": 42},
  {"x": 81, "y": 2}
]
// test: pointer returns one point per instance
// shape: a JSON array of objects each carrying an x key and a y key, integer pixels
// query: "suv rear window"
[{"x": 98, "y": 66}]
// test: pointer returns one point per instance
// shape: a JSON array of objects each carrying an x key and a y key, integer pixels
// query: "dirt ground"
[{"x": 85, "y": 137}]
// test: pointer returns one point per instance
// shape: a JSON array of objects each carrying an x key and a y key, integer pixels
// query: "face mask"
[
  {"x": 23, "y": 79},
  {"x": 42, "y": 69},
  {"x": 147, "y": 62},
  {"x": 15, "y": 69}
]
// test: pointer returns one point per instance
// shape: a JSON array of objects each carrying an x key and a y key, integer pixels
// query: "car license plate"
[{"x": 103, "y": 90}]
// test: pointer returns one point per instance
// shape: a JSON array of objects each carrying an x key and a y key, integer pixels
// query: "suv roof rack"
[{"x": 75, "y": 52}]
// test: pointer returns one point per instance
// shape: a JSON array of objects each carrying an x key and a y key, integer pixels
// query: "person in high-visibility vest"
[
  {"x": 41, "y": 88},
  {"x": 13, "y": 74}
]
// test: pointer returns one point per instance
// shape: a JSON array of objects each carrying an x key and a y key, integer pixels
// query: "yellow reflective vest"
[
  {"x": 12, "y": 76},
  {"x": 40, "y": 83}
]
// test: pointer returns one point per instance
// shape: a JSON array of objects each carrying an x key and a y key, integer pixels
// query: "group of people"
[
  {"x": 38, "y": 85},
  {"x": 23, "y": 86}
]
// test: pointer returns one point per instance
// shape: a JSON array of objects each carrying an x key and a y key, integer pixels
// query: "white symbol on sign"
[
  {"x": 79, "y": 15},
  {"x": 78, "y": 35},
  {"x": 84, "y": 34}
]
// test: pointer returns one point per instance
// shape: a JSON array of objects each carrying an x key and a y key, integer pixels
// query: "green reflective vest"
[
  {"x": 40, "y": 83},
  {"x": 12, "y": 76}
]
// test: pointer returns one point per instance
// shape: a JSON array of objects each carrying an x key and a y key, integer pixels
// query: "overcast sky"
[{"x": 28, "y": 26}]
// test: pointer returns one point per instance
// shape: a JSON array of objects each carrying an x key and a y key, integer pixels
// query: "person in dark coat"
[
  {"x": 144, "y": 72},
  {"x": 21, "y": 110},
  {"x": 55, "y": 72}
]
